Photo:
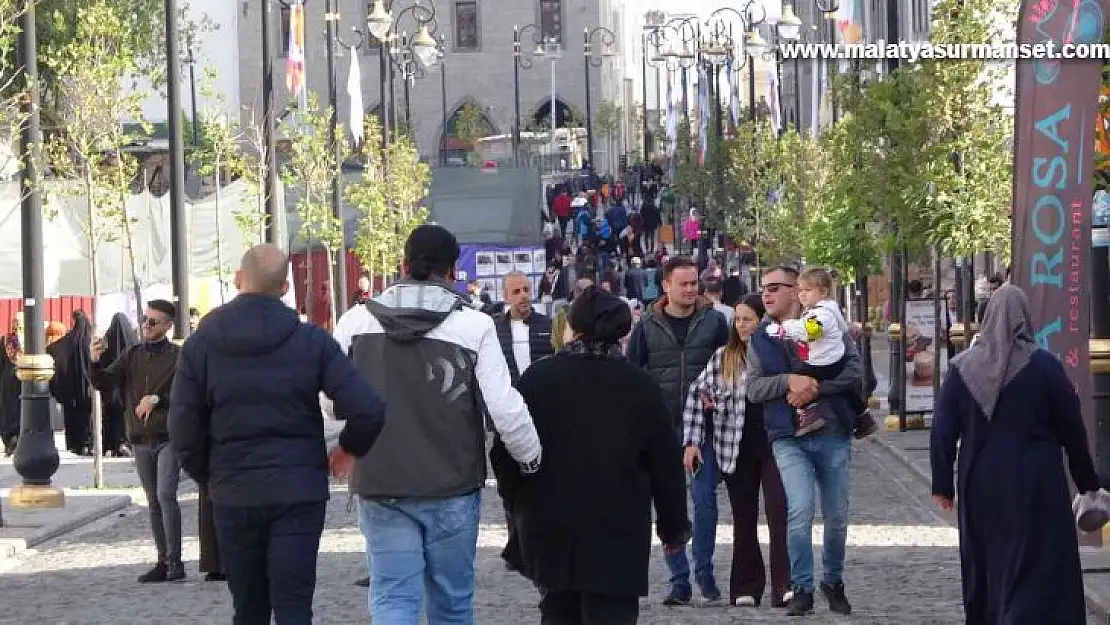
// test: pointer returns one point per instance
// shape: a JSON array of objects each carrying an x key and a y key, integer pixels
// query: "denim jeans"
[
  {"x": 160, "y": 473},
  {"x": 824, "y": 461},
  {"x": 421, "y": 545},
  {"x": 269, "y": 554},
  {"x": 703, "y": 490}
]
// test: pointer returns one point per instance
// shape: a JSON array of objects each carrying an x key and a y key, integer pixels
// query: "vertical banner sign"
[{"x": 1054, "y": 151}]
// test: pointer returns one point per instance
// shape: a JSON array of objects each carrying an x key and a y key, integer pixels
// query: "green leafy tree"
[
  {"x": 470, "y": 126},
  {"x": 251, "y": 219},
  {"x": 969, "y": 159},
  {"x": 219, "y": 157},
  {"x": 313, "y": 167},
  {"x": 93, "y": 65},
  {"x": 388, "y": 199},
  {"x": 141, "y": 29}
]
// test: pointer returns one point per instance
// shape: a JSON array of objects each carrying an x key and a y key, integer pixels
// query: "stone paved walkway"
[{"x": 902, "y": 569}]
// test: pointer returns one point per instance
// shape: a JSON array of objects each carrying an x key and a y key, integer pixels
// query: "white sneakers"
[{"x": 745, "y": 602}]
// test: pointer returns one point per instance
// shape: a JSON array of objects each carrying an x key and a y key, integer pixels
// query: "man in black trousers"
[{"x": 245, "y": 421}]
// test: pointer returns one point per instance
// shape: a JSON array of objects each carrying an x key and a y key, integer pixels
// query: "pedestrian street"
[{"x": 902, "y": 568}]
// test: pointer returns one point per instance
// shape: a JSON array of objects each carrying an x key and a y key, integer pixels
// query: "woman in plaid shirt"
[{"x": 717, "y": 410}]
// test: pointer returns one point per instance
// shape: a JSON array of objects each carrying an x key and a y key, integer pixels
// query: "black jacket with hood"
[{"x": 245, "y": 416}]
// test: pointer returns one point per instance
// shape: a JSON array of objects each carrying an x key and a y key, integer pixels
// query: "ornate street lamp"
[
  {"x": 522, "y": 60},
  {"x": 593, "y": 58},
  {"x": 36, "y": 457}
]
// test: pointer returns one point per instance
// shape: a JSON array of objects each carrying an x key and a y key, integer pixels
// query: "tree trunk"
[
  {"x": 330, "y": 255},
  {"x": 219, "y": 233},
  {"x": 130, "y": 240},
  {"x": 91, "y": 233}
]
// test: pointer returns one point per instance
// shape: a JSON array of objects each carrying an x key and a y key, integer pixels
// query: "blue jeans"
[
  {"x": 418, "y": 545},
  {"x": 823, "y": 461},
  {"x": 703, "y": 489}
]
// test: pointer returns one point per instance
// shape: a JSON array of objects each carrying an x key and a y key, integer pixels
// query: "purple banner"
[
  {"x": 1054, "y": 149},
  {"x": 489, "y": 263}
]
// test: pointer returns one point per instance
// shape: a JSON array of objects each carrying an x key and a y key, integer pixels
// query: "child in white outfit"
[{"x": 819, "y": 337}]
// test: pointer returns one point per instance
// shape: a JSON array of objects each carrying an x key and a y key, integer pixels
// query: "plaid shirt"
[{"x": 728, "y": 425}]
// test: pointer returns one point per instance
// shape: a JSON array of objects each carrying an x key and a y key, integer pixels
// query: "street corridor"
[{"x": 902, "y": 568}]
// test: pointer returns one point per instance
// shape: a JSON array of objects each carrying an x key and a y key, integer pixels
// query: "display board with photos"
[
  {"x": 923, "y": 346},
  {"x": 488, "y": 264}
]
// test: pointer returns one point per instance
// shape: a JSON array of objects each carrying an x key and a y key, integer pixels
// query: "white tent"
[{"x": 66, "y": 268}]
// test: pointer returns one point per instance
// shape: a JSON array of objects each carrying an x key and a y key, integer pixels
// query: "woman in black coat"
[
  {"x": 10, "y": 389},
  {"x": 583, "y": 521},
  {"x": 70, "y": 384},
  {"x": 121, "y": 335}
]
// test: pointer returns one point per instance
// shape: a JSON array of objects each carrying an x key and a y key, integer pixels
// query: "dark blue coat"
[
  {"x": 245, "y": 411},
  {"x": 1019, "y": 554}
]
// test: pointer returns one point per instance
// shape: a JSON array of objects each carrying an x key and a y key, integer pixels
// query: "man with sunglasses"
[
  {"x": 144, "y": 372},
  {"x": 825, "y": 454}
]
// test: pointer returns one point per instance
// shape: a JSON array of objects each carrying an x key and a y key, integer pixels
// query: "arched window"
[
  {"x": 564, "y": 116},
  {"x": 466, "y": 125}
]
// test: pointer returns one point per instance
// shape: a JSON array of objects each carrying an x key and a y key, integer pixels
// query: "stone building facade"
[{"x": 478, "y": 61}]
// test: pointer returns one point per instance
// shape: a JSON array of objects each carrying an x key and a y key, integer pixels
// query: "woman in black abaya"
[
  {"x": 121, "y": 335},
  {"x": 70, "y": 384},
  {"x": 10, "y": 389},
  {"x": 1013, "y": 411}
]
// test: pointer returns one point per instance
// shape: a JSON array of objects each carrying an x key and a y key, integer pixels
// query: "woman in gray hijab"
[{"x": 1012, "y": 411}]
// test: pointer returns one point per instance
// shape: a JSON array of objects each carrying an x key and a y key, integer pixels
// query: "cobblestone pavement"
[{"x": 902, "y": 569}]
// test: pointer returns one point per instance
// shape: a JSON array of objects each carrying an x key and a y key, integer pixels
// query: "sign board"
[{"x": 924, "y": 344}]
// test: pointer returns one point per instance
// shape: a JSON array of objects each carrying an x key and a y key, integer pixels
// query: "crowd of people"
[{"x": 703, "y": 384}]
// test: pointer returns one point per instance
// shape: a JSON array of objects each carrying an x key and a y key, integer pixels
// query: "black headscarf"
[
  {"x": 72, "y": 360},
  {"x": 120, "y": 335},
  {"x": 599, "y": 317}
]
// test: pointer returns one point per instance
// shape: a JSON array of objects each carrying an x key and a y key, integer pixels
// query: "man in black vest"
[
  {"x": 524, "y": 334},
  {"x": 673, "y": 342}
]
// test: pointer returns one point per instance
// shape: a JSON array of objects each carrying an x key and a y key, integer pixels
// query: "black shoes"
[
  {"x": 800, "y": 603},
  {"x": 834, "y": 594},
  {"x": 215, "y": 577},
  {"x": 678, "y": 597},
  {"x": 163, "y": 573},
  {"x": 363, "y": 582}
]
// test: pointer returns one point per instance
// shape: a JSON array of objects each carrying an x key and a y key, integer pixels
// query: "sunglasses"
[
  {"x": 773, "y": 287},
  {"x": 150, "y": 322}
]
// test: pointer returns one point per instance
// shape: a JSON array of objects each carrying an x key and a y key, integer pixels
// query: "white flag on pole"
[{"x": 354, "y": 91}]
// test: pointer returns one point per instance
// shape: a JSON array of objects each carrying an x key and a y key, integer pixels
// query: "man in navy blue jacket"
[{"x": 245, "y": 420}]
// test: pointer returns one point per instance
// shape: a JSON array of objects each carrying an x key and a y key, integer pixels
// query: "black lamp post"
[
  {"x": 411, "y": 56},
  {"x": 592, "y": 59},
  {"x": 522, "y": 60},
  {"x": 269, "y": 148},
  {"x": 687, "y": 32},
  {"x": 331, "y": 17},
  {"x": 36, "y": 457},
  {"x": 191, "y": 61},
  {"x": 443, "y": 101},
  {"x": 179, "y": 239},
  {"x": 654, "y": 38}
]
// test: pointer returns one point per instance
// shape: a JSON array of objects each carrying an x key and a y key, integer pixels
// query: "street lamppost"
[
  {"x": 269, "y": 147},
  {"x": 750, "y": 17},
  {"x": 410, "y": 55},
  {"x": 191, "y": 61},
  {"x": 594, "y": 59},
  {"x": 683, "y": 58},
  {"x": 522, "y": 60},
  {"x": 331, "y": 18},
  {"x": 653, "y": 39},
  {"x": 179, "y": 236},
  {"x": 36, "y": 457},
  {"x": 413, "y": 56}
]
